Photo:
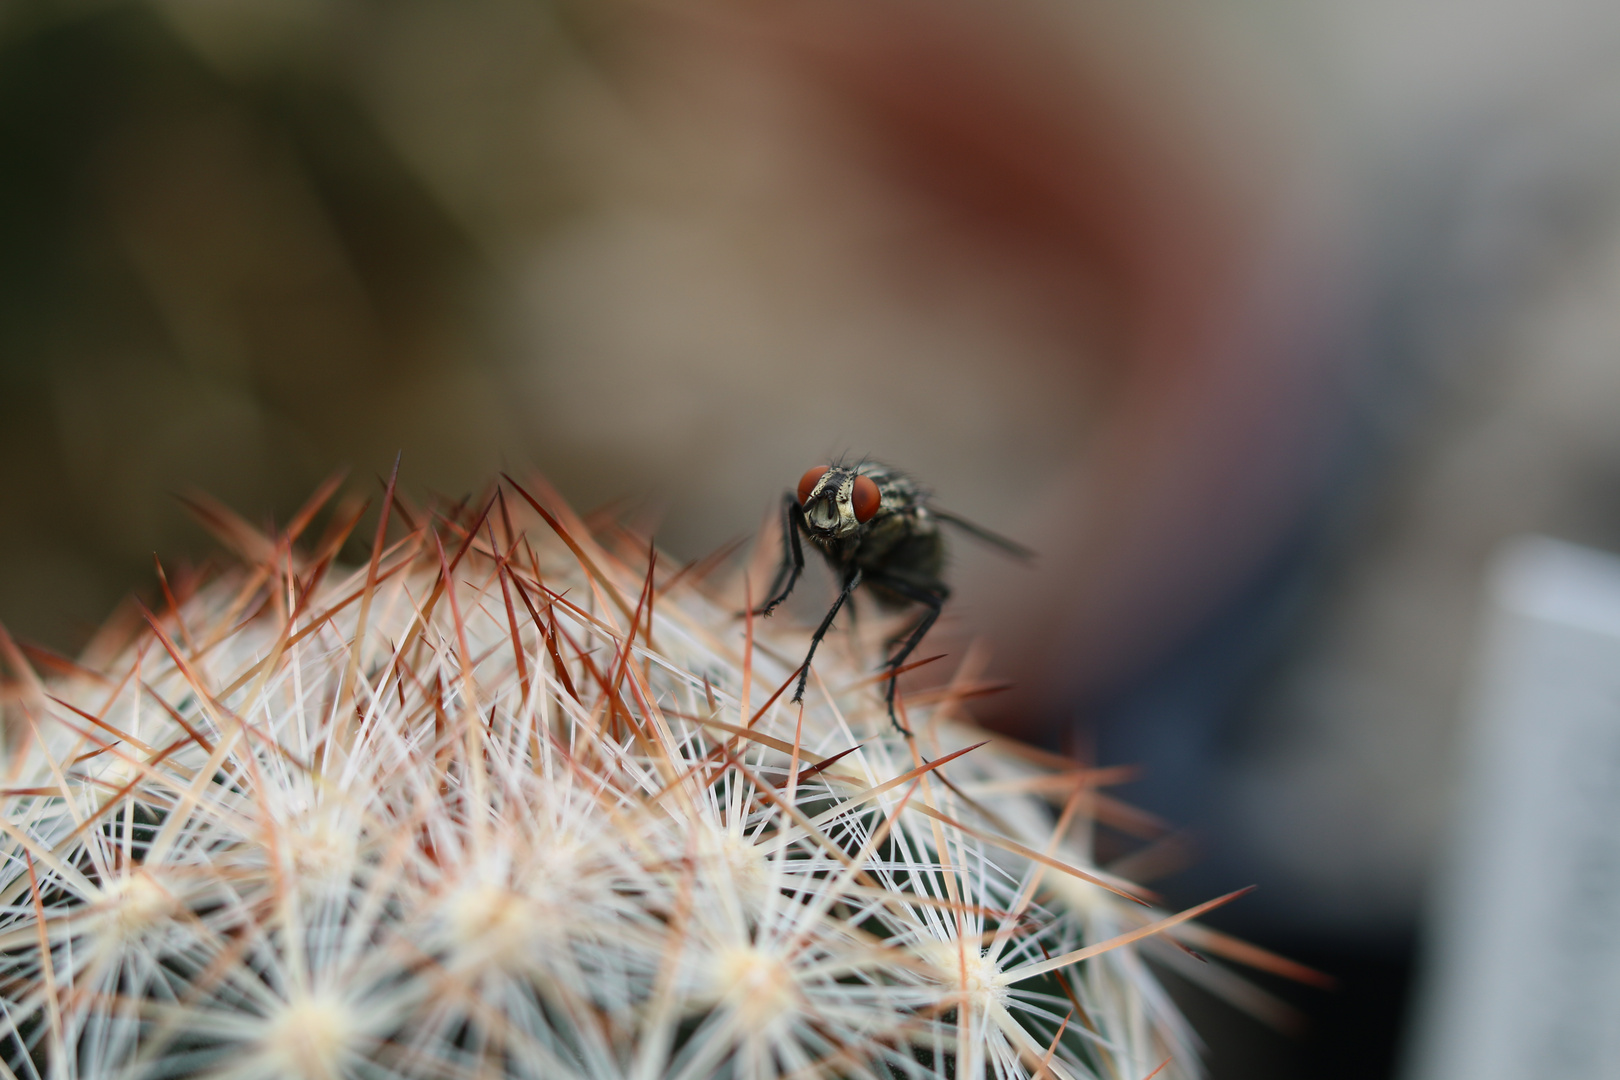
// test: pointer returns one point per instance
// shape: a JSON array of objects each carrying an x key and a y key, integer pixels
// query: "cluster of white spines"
[{"x": 372, "y": 828}]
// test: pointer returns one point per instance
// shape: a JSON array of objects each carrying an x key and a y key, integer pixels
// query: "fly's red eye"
[
  {"x": 807, "y": 482},
  {"x": 866, "y": 500}
]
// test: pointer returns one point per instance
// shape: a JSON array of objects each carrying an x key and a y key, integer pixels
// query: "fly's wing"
[{"x": 980, "y": 533}]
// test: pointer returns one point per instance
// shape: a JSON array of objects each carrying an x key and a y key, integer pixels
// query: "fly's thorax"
[
  {"x": 907, "y": 540},
  {"x": 900, "y": 492}
]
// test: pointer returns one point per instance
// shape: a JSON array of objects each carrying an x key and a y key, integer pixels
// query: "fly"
[{"x": 875, "y": 528}]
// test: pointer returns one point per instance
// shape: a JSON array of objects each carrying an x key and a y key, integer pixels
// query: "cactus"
[{"x": 510, "y": 800}]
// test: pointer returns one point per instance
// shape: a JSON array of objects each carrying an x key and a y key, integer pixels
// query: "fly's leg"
[
  {"x": 851, "y": 580},
  {"x": 932, "y": 595},
  {"x": 787, "y": 574}
]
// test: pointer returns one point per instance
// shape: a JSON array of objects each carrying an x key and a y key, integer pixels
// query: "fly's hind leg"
[{"x": 931, "y": 594}]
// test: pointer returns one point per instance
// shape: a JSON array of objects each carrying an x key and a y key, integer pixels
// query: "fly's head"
[{"x": 838, "y": 500}]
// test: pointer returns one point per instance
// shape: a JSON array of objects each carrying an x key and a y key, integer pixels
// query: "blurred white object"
[{"x": 1523, "y": 975}]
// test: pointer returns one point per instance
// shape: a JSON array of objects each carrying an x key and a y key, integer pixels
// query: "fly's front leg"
[
  {"x": 787, "y": 574},
  {"x": 851, "y": 580},
  {"x": 932, "y": 595}
]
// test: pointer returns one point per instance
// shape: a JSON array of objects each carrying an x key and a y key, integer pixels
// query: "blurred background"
[{"x": 1263, "y": 322}]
